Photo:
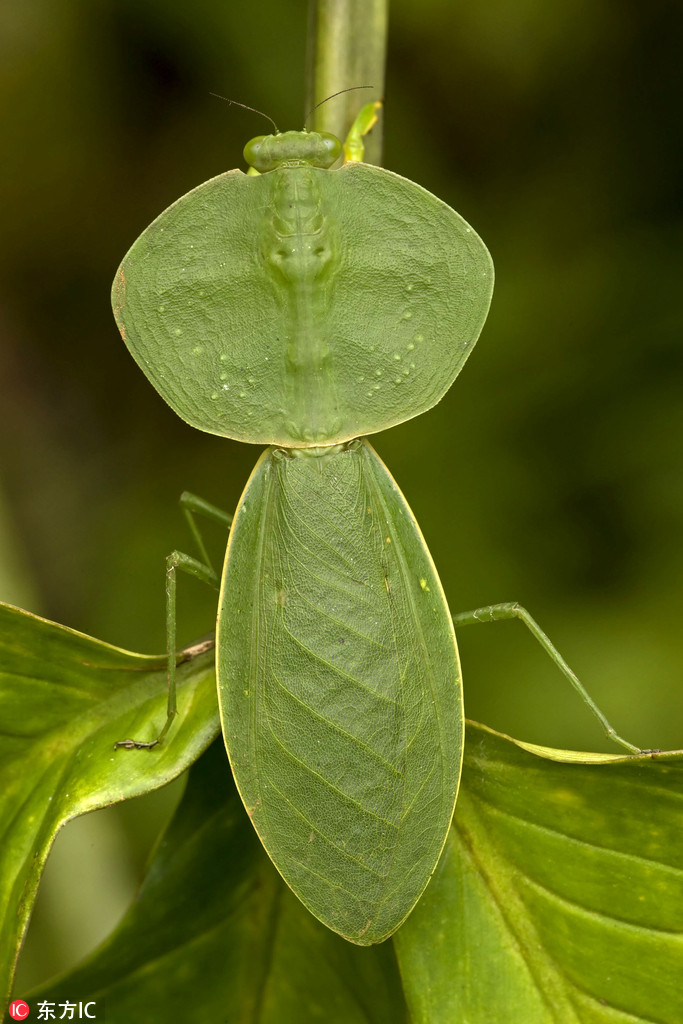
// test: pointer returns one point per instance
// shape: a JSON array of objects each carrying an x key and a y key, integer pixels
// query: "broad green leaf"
[
  {"x": 559, "y": 897},
  {"x": 215, "y": 935},
  {"x": 65, "y": 699},
  {"x": 339, "y": 686},
  {"x": 303, "y": 306}
]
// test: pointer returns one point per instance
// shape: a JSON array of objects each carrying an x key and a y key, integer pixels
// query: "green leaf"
[
  {"x": 559, "y": 897},
  {"x": 65, "y": 699},
  {"x": 215, "y": 935},
  {"x": 339, "y": 686}
]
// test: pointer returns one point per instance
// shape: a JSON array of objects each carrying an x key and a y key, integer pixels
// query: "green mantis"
[{"x": 304, "y": 308}]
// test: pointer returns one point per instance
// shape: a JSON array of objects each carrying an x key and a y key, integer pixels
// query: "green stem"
[{"x": 346, "y": 47}]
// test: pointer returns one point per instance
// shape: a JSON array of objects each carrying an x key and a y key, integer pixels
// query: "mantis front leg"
[{"x": 191, "y": 505}]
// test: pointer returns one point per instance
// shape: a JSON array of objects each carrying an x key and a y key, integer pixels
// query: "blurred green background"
[{"x": 550, "y": 474}]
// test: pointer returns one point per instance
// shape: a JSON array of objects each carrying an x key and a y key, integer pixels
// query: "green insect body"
[
  {"x": 345, "y": 730},
  {"x": 303, "y": 308}
]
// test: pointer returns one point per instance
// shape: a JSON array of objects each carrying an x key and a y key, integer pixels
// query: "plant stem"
[{"x": 346, "y": 48}]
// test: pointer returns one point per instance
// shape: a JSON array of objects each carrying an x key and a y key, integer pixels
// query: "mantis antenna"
[
  {"x": 351, "y": 88},
  {"x": 244, "y": 106}
]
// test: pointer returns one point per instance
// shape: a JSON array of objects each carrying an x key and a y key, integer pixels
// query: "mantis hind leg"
[
  {"x": 513, "y": 610},
  {"x": 191, "y": 506}
]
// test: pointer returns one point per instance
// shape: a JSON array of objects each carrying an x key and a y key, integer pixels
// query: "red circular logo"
[{"x": 18, "y": 1010}]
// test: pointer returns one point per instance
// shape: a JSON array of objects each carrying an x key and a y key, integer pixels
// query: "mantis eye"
[
  {"x": 253, "y": 149},
  {"x": 331, "y": 146}
]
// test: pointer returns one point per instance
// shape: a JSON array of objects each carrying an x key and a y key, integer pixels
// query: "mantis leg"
[
  {"x": 204, "y": 571},
  {"x": 512, "y": 610},
  {"x": 191, "y": 506},
  {"x": 354, "y": 147}
]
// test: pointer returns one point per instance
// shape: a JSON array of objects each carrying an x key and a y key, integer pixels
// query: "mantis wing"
[{"x": 339, "y": 686}]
